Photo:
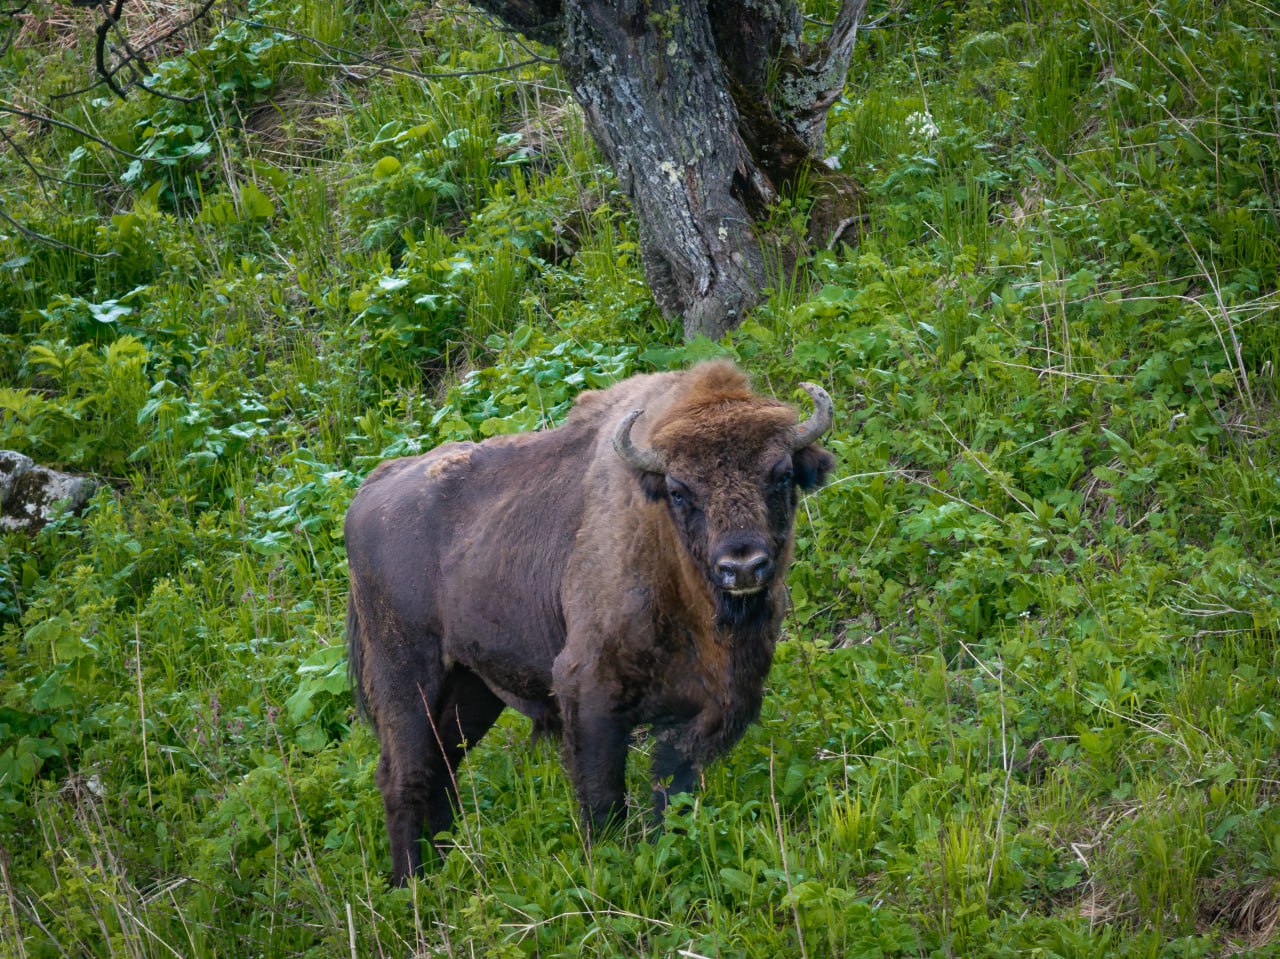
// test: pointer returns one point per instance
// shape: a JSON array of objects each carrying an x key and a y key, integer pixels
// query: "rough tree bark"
[{"x": 706, "y": 110}]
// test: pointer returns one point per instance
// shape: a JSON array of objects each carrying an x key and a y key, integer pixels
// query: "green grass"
[{"x": 1027, "y": 704}]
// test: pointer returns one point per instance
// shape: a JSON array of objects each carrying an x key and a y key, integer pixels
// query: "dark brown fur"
[{"x": 544, "y": 573}]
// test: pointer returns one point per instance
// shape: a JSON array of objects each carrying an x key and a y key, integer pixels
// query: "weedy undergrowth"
[{"x": 1027, "y": 701}]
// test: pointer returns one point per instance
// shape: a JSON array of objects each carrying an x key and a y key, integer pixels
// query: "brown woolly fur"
[
  {"x": 720, "y": 399},
  {"x": 547, "y": 573}
]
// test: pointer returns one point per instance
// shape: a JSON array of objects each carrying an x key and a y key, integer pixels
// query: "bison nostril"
[
  {"x": 762, "y": 569},
  {"x": 746, "y": 573}
]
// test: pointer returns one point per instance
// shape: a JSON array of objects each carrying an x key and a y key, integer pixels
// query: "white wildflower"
[{"x": 921, "y": 126}]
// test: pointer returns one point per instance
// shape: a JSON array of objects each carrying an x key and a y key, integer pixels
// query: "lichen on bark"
[{"x": 706, "y": 110}]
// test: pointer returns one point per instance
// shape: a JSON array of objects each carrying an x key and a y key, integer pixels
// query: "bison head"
[{"x": 729, "y": 463}]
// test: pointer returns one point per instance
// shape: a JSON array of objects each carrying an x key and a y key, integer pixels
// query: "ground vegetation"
[{"x": 1027, "y": 701}]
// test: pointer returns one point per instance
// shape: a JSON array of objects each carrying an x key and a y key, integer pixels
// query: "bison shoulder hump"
[
  {"x": 446, "y": 461},
  {"x": 399, "y": 475}
]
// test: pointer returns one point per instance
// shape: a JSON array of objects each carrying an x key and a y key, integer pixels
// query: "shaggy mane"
[{"x": 718, "y": 402}]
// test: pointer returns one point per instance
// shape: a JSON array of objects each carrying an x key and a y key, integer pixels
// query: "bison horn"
[
  {"x": 823, "y": 413},
  {"x": 647, "y": 461}
]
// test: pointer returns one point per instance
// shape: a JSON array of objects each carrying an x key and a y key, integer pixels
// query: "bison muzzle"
[{"x": 623, "y": 569}]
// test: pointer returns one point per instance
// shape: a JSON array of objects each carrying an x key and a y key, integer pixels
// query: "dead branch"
[
  {"x": 65, "y": 125},
  {"x": 51, "y": 240}
]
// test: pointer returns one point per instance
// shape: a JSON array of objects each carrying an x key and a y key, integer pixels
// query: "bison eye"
[
  {"x": 678, "y": 493},
  {"x": 782, "y": 475}
]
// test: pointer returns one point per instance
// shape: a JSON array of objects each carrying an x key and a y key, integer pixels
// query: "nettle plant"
[
  {"x": 83, "y": 402},
  {"x": 170, "y": 138}
]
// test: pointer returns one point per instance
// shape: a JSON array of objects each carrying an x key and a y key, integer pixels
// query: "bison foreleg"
[
  {"x": 672, "y": 774},
  {"x": 595, "y": 753}
]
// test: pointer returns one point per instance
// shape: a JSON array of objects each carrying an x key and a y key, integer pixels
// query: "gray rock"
[
  {"x": 12, "y": 465},
  {"x": 30, "y": 495}
]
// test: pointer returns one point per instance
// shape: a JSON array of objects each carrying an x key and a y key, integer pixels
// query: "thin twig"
[
  {"x": 497, "y": 26},
  {"x": 50, "y": 240},
  {"x": 782, "y": 850},
  {"x": 142, "y": 711},
  {"x": 44, "y": 118},
  {"x": 1008, "y": 490},
  {"x": 100, "y": 46},
  {"x": 351, "y": 932},
  {"x": 42, "y": 176}
]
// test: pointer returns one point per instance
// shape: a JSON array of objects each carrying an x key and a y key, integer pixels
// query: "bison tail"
[{"x": 355, "y": 657}]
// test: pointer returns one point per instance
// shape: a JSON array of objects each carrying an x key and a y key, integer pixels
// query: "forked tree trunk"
[{"x": 706, "y": 110}]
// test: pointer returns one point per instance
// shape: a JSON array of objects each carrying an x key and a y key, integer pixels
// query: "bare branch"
[
  {"x": 135, "y": 59},
  {"x": 823, "y": 66},
  {"x": 11, "y": 28},
  {"x": 540, "y": 20},
  {"x": 43, "y": 176},
  {"x": 51, "y": 240},
  {"x": 79, "y": 91},
  {"x": 54, "y": 121},
  {"x": 879, "y": 23},
  {"x": 99, "y": 50},
  {"x": 142, "y": 85},
  {"x": 491, "y": 21},
  {"x": 832, "y": 62}
]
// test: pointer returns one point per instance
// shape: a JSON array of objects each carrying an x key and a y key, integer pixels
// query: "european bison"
[{"x": 623, "y": 569}]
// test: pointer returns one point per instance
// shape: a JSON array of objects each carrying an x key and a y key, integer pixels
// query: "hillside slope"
[{"x": 1029, "y": 701}]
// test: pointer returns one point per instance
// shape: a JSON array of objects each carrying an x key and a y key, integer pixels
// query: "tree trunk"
[
  {"x": 706, "y": 110},
  {"x": 657, "y": 102}
]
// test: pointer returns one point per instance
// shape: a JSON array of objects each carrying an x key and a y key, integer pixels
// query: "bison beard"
[
  {"x": 743, "y": 614},
  {"x": 624, "y": 569}
]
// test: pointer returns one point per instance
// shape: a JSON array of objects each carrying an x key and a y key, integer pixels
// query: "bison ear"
[
  {"x": 812, "y": 464},
  {"x": 654, "y": 486}
]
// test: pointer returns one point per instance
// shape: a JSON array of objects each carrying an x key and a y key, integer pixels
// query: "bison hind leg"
[
  {"x": 425, "y": 729},
  {"x": 403, "y": 778},
  {"x": 465, "y": 712},
  {"x": 394, "y": 681}
]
